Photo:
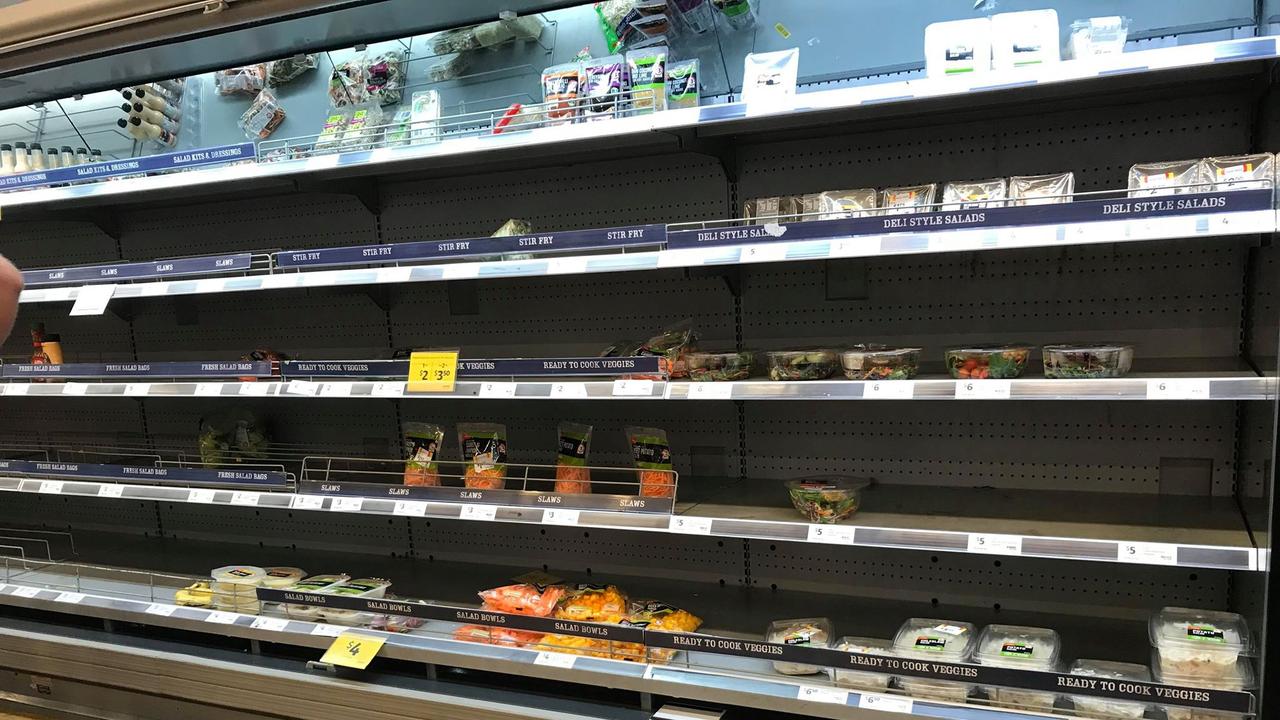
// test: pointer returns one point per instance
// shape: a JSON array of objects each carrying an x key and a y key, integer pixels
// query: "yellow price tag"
[
  {"x": 353, "y": 651},
  {"x": 435, "y": 371},
  {"x": 783, "y": 31}
]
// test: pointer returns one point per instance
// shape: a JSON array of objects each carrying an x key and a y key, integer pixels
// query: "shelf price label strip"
[
  {"x": 515, "y": 367},
  {"x": 158, "y": 269},
  {"x": 1228, "y": 701},
  {"x": 140, "y": 369},
  {"x": 556, "y": 241},
  {"x": 477, "y": 496},
  {"x": 133, "y": 166},
  {"x": 150, "y": 474}
]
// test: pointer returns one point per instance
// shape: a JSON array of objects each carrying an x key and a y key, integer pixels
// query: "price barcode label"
[
  {"x": 208, "y": 389},
  {"x": 568, "y": 390},
  {"x": 200, "y": 496},
  {"x": 255, "y": 389},
  {"x": 554, "y": 659},
  {"x": 566, "y": 266},
  {"x": 324, "y": 630},
  {"x": 690, "y": 525},
  {"x": 75, "y": 388},
  {"x": 885, "y": 703},
  {"x": 1179, "y": 389},
  {"x": 17, "y": 388},
  {"x": 769, "y": 252},
  {"x": 560, "y": 516},
  {"x": 221, "y": 618},
  {"x": 832, "y": 534},
  {"x": 710, "y": 391},
  {"x": 835, "y": 696},
  {"x": 983, "y": 389},
  {"x": 137, "y": 389},
  {"x": 160, "y": 609},
  {"x": 308, "y": 502},
  {"x": 497, "y": 390},
  {"x": 889, "y": 389},
  {"x": 302, "y": 387},
  {"x": 337, "y": 389},
  {"x": 73, "y": 598},
  {"x": 387, "y": 389},
  {"x": 26, "y": 591},
  {"x": 270, "y": 623},
  {"x": 114, "y": 491},
  {"x": 346, "y": 504},
  {"x": 52, "y": 487},
  {"x": 995, "y": 544},
  {"x": 411, "y": 508},
  {"x": 478, "y": 512},
  {"x": 1148, "y": 553},
  {"x": 632, "y": 388},
  {"x": 244, "y": 498}
]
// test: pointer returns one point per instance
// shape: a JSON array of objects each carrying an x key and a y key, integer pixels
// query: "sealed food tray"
[
  {"x": 1199, "y": 644},
  {"x": 827, "y": 498},
  {"x": 804, "y": 632},
  {"x": 982, "y": 362},
  {"x": 713, "y": 366},
  {"x": 802, "y": 364},
  {"x": 941, "y": 640},
  {"x": 1018, "y": 647},
  {"x": 859, "y": 679},
  {"x": 1107, "y": 708},
  {"x": 1087, "y": 361},
  {"x": 880, "y": 362}
]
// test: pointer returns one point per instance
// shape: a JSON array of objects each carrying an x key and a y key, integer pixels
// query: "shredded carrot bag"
[
  {"x": 484, "y": 449},
  {"x": 652, "y": 456},
  {"x": 422, "y": 449},
  {"x": 572, "y": 475}
]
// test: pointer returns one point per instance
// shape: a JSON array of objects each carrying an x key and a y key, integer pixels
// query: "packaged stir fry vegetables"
[
  {"x": 592, "y": 603},
  {"x": 484, "y": 448},
  {"x": 572, "y": 475},
  {"x": 652, "y": 455},
  {"x": 422, "y": 452},
  {"x": 497, "y": 636}
]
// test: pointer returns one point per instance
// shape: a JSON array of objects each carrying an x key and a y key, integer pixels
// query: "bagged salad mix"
[
  {"x": 572, "y": 474},
  {"x": 651, "y": 453}
]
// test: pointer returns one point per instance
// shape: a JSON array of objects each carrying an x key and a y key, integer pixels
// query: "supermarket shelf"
[
  {"x": 727, "y": 675},
  {"x": 1214, "y": 386},
  {"x": 1244, "y": 222},
  {"x": 1214, "y": 61},
  {"x": 1129, "y": 529}
]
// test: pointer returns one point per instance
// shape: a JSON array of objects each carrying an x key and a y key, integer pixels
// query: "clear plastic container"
[
  {"x": 1239, "y": 172},
  {"x": 709, "y": 366},
  {"x": 361, "y": 588},
  {"x": 1041, "y": 189},
  {"x": 941, "y": 640},
  {"x": 1172, "y": 177},
  {"x": 910, "y": 199},
  {"x": 313, "y": 584},
  {"x": 282, "y": 577},
  {"x": 802, "y": 364},
  {"x": 880, "y": 362},
  {"x": 860, "y": 679},
  {"x": 806, "y": 632},
  {"x": 1021, "y": 648},
  {"x": 827, "y": 498},
  {"x": 944, "y": 690},
  {"x": 1199, "y": 645},
  {"x": 1097, "y": 36},
  {"x": 974, "y": 194},
  {"x": 235, "y": 587},
  {"x": 982, "y": 362},
  {"x": 1238, "y": 677},
  {"x": 1087, "y": 361},
  {"x": 1106, "y": 708},
  {"x": 836, "y": 204}
]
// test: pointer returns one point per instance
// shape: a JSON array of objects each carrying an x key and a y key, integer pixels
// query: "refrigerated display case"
[{"x": 466, "y": 355}]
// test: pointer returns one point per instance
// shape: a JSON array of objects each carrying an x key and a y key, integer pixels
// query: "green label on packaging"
[{"x": 1206, "y": 633}]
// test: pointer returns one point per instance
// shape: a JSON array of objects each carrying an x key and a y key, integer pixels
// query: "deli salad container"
[
  {"x": 805, "y": 632},
  {"x": 713, "y": 366},
  {"x": 1019, "y": 648},
  {"x": 802, "y": 364},
  {"x": 942, "y": 640},
  {"x": 1199, "y": 645},
  {"x": 880, "y": 362},
  {"x": 981, "y": 362},
  {"x": 1239, "y": 676},
  {"x": 1097, "y": 360},
  {"x": 827, "y": 498}
]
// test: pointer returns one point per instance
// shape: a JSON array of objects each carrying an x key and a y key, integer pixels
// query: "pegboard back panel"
[
  {"x": 269, "y": 221},
  {"x": 1264, "y": 331},
  {"x": 583, "y": 551},
  {"x": 1147, "y": 447},
  {"x": 1097, "y": 143},
  {"x": 55, "y": 243},
  {"x": 948, "y": 580},
  {"x": 563, "y": 317},
  {"x": 662, "y": 188},
  {"x": 70, "y": 422},
  {"x": 310, "y": 324},
  {"x": 338, "y": 532},
  {"x": 1180, "y": 299},
  {"x": 79, "y": 514}
]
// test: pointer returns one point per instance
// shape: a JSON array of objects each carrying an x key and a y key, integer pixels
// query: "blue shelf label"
[
  {"x": 618, "y": 237},
  {"x": 132, "y": 166},
  {"x": 115, "y": 272},
  {"x": 215, "y": 369},
  {"x": 517, "y": 367},
  {"x": 145, "y": 473},
  {"x": 993, "y": 217}
]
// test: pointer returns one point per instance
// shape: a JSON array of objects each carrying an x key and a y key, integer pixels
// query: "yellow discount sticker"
[
  {"x": 433, "y": 371},
  {"x": 353, "y": 651}
]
